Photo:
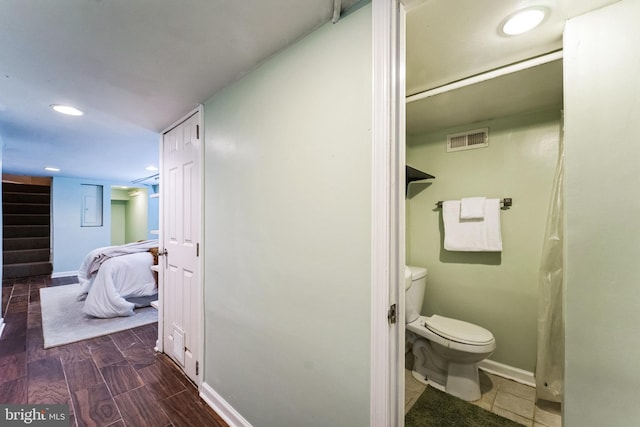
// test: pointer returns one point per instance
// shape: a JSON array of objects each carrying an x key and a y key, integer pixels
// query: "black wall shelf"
[{"x": 413, "y": 174}]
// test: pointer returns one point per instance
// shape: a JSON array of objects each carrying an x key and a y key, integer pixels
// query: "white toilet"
[{"x": 446, "y": 351}]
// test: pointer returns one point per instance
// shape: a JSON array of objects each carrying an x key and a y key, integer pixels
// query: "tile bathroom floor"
[{"x": 503, "y": 397}]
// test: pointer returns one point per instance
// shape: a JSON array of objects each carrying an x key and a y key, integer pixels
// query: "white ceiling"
[
  {"x": 133, "y": 66},
  {"x": 449, "y": 41},
  {"x": 136, "y": 66},
  {"x": 531, "y": 89}
]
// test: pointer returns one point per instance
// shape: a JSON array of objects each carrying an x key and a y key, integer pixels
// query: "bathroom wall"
[
  {"x": 495, "y": 290},
  {"x": 287, "y": 253},
  {"x": 602, "y": 286}
]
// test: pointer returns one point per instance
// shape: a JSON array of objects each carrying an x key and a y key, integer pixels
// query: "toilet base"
[
  {"x": 457, "y": 379},
  {"x": 463, "y": 381},
  {"x": 419, "y": 377},
  {"x": 464, "y": 387},
  {"x": 426, "y": 381}
]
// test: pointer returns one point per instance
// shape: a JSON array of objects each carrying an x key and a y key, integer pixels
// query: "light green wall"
[
  {"x": 495, "y": 290},
  {"x": 119, "y": 200},
  {"x": 137, "y": 214},
  {"x": 120, "y": 194},
  {"x": 130, "y": 222},
  {"x": 118, "y": 221},
  {"x": 602, "y": 107},
  {"x": 287, "y": 233}
]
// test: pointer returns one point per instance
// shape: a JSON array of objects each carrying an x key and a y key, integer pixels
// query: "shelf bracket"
[{"x": 413, "y": 174}]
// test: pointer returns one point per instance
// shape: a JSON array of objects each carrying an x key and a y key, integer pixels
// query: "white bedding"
[
  {"x": 110, "y": 274},
  {"x": 94, "y": 259},
  {"x": 121, "y": 277}
]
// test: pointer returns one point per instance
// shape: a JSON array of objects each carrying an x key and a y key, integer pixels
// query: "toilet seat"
[
  {"x": 420, "y": 328},
  {"x": 458, "y": 330}
]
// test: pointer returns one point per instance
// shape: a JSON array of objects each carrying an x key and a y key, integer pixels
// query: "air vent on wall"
[{"x": 477, "y": 138}]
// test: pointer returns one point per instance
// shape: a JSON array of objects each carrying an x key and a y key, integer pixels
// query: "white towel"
[
  {"x": 472, "y": 208},
  {"x": 472, "y": 235}
]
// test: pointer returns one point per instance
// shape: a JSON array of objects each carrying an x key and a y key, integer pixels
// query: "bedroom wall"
[
  {"x": 65, "y": 221},
  {"x": 602, "y": 106},
  {"x": 287, "y": 163},
  {"x": 69, "y": 241},
  {"x": 498, "y": 291}
]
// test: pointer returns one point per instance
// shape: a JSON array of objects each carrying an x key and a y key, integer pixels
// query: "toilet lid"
[{"x": 459, "y": 331}]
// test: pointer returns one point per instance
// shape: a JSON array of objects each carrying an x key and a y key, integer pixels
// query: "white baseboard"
[
  {"x": 509, "y": 372},
  {"x": 64, "y": 274},
  {"x": 222, "y": 407}
]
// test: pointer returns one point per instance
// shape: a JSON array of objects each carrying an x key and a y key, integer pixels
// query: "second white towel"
[
  {"x": 472, "y": 207},
  {"x": 472, "y": 235}
]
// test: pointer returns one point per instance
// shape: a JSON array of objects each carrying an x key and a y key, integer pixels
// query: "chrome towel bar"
[{"x": 506, "y": 202}]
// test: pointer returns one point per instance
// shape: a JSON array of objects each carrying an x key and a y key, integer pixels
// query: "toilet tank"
[{"x": 414, "y": 294}]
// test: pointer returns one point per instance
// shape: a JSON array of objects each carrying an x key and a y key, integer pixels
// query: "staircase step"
[
  {"x": 26, "y": 229},
  {"x": 20, "y": 243},
  {"x": 14, "y": 271},
  {"x": 25, "y": 219},
  {"x": 28, "y": 198},
  {"x": 21, "y": 208},
  {"x": 25, "y": 255},
  {"x": 25, "y": 188},
  {"x": 10, "y": 231}
]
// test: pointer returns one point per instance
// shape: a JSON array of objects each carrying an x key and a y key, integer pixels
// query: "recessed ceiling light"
[
  {"x": 523, "y": 21},
  {"x": 51, "y": 169},
  {"x": 151, "y": 168},
  {"x": 66, "y": 109}
]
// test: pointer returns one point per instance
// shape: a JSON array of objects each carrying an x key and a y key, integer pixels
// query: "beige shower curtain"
[{"x": 550, "y": 360}]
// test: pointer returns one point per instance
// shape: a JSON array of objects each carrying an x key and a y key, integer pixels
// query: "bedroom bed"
[{"x": 114, "y": 280}]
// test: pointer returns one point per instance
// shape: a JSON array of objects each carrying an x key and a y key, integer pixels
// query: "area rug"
[
  {"x": 435, "y": 408},
  {"x": 63, "y": 321}
]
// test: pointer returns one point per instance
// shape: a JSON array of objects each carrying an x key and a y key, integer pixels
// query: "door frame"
[
  {"x": 388, "y": 214},
  {"x": 200, "y": 283}
]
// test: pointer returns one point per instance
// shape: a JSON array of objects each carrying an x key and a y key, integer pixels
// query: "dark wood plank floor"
[{"x": 115, "y": 380}]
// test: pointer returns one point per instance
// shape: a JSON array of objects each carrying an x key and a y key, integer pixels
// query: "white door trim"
[
  {"x": 200, "y": 354},
  {"x": 160, "y": 343},
  {"x": 388, "y": 159}
]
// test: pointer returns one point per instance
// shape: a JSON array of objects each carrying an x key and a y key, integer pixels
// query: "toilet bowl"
[{"x": 446, "y": 351}]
